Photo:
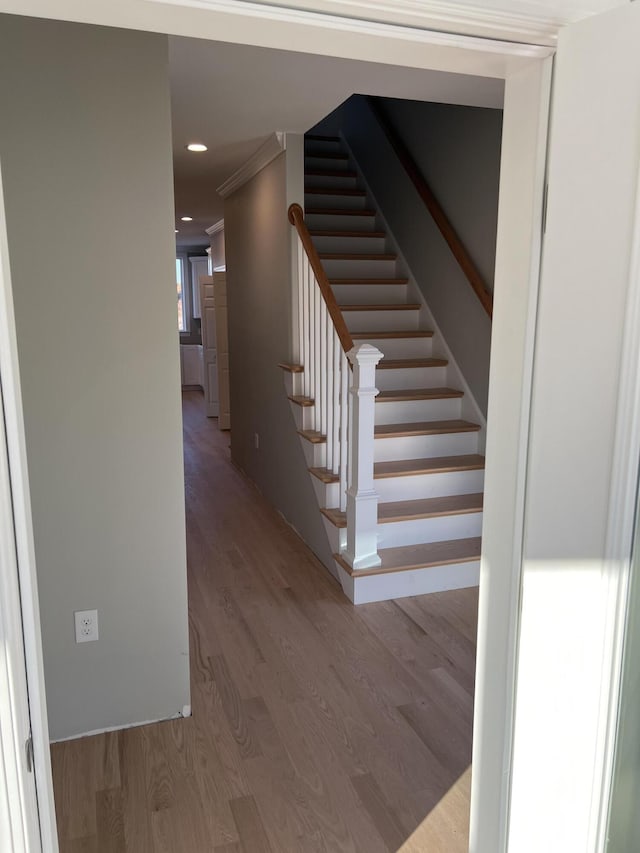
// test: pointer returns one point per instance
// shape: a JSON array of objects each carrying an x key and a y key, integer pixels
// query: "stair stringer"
[{"x": 455, "y": 377}]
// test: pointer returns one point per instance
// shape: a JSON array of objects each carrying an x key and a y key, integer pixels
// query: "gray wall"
[
  {"x": 85, "y": 151},
  {"x": 458, "y": 151},
  {"x": 257, "y": 237}
]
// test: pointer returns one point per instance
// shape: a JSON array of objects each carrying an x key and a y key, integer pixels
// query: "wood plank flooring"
[{"x": 316, "y": 726}]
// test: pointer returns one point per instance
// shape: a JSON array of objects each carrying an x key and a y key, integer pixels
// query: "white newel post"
[{"x": 362, "y": 498}]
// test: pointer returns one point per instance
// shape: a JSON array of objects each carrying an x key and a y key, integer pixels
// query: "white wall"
[
  {"x": 86, "y": 159},
  {"x": 257, "y": 235}
]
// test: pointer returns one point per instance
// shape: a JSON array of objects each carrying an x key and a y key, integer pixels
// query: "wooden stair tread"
[
  {"x": 423, "y": 556},
  {"x": 424, "y": 428},
  {"x": 291, "y": 368},
  {"x": 302, "y": 401},
  {"x": 324, "y": 475},
  {"x": 357, "y": 256},
  {"x": 413, "y": 467},
  {"x": 355, "y": 193},
  {"x": 330, "y": 173},
  {"x": 401, "y": 363},
  {"x": 402, "y": 306},
  {"x": 400, "y": 334},
  {"x": 336, "y": 211},
  {"x": 313, "y": 436},
  {"x": 326, "y": 155},
  {"x": 412, "y": 510},
  {"x": 366, "y": 281},
  {"x": 407, "y": 394},
  {"x": 430, "y": 465},
  {"x": 375, "y": 234}
]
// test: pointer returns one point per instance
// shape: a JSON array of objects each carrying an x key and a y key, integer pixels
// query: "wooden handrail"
[
  {"x": 433, "y": 206},
  {"x": 296, "y": 218}
]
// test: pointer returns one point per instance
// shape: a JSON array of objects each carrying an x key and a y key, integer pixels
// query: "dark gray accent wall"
[{"x": 458, "y": 151}]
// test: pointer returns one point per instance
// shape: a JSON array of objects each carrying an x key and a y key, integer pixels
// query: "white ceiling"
[{"x": 231, "y": 97}]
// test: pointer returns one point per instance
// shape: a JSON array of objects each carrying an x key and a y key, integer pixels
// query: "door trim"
[
  {"x": 23, "y": 604},
  {"x": 517, "y": 282}
]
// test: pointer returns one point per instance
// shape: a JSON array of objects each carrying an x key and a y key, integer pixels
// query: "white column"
[{"x": 362, "y": 498}]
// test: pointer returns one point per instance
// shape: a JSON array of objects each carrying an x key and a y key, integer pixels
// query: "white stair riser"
[
  {"x": 411, "y": 377},
  {"x": 333, "y": 222},
  {"x": 415, "y": 582},
  {"x": 337, "y": 536},
  {"x": 350, "y": 244},
  {"x": 337, "y": 200},
  {"x": 390, "y": 321},
  {"x": 291, "y": 381},
  {"x": 358, "y": 268},
  {"x": 420, "y": 530},
  {"x": 392, "y": 489},
  {"x": 424, "y": 486},
  {"x": 314, "y": 454},
  {"x": 341, "y": 182},
  {"x": 326, "y": 493},
  {"x": 418, "y": 410},
  {"x": 365, "y": 294},
  {"x": 424, "y": 446},
  {"x": 400, "y": 347}
]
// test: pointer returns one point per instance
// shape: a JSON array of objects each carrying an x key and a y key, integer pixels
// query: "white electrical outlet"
[{"x": 86, "y": 625}]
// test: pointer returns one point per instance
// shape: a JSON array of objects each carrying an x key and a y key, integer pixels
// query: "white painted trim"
[
  {"x": 618, "y": 547},
  {"x": 26, "y": 611},
  {"x": 214, "y": 229},
  {"x": 443, "y": 18},
  {"x": 268, "y": 151},
  {"x": 517, "y": 280},
  {"x": 107, "y": 729}
]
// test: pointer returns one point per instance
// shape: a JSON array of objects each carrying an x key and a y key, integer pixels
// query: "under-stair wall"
[
  {"x": 463, "y": 144},
  {"x": 257, "y": 243}
]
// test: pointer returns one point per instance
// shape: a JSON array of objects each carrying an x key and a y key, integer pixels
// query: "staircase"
[{"x": 427, "y": 466}]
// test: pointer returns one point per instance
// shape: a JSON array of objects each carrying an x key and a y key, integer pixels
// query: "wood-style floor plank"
[{"x": 316, "y": 726}]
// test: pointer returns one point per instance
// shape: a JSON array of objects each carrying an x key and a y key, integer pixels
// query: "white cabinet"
[
  {"x": 197, "y": 267},
  {"x": 191, "y": 365}
]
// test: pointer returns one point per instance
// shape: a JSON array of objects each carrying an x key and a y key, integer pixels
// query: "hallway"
[{"x": 316, "y": 726}]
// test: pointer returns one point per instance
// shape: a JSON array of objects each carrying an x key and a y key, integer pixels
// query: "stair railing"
[
  {"x": 432, "y": 204},
  {"x": 343, "y": 398}
]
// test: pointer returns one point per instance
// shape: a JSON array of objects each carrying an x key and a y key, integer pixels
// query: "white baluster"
[
  {"x": 344, "y": 429},
  {"x": 362, "y": 498},
  {"x": 299, "y": 314},
  {"x": 312, "y": 332},
  {"x": 335, "y": 402},
  {"x": 306, "y": 312},
  {"x": 331, "y": 413},
  {"x": 323, "y": 369},
  {"x": 316, "y": 355}
]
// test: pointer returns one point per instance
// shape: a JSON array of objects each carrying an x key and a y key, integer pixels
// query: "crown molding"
[
  {"x": 215, "y": 228},
  {"x": 268, "y": 151},
  {"x": 527, "y": 25}
]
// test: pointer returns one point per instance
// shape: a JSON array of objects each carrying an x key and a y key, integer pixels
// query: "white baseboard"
[{"x": 186, "y": 712}]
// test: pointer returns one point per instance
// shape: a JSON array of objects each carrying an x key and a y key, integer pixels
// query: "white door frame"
[
  {"x": 527, "y": 71},
  {"x": 33, "y": 823}
]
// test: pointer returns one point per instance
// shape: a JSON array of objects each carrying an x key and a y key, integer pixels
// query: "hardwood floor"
[{"x": 316, "y": 726}]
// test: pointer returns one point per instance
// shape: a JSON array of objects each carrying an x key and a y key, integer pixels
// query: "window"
[{"x": 182, "y": 304}]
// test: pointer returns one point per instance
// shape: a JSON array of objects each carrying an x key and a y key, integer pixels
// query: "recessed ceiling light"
[
  {"x": 187, "y": 218},
  {"x": 196, "y": 146}
]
